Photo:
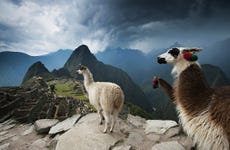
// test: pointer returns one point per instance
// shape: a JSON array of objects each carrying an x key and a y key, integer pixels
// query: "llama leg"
[
  {"x": 100, "y": 116},
  {"x": 114, "y": 119},
  {"x": 107, "y": 121}
]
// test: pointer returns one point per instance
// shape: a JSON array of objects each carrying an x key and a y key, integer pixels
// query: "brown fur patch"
[
  {"x": 167, "y": 87},
  {"x": 192, "y": 90},
  {"x": 194, "y": 95},
  {"x": 220, "y": 108}
]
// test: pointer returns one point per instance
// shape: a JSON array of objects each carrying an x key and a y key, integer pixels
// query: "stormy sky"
[{"x": 41, "y": 26}]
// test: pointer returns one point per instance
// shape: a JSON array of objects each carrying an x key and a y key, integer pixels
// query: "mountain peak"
[
  {"x": 176, "y": 44},
  {"x": 82, "y": 49},
  {"x": 37, "y": 69},
  {"x": 38, "y": 63},
  {"x": 81, "y": 55}
]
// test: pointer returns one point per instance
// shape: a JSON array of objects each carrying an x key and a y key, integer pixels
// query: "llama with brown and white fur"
[
  {"x": 204, "y": 112},
  {"x": 106, "y": 97}
]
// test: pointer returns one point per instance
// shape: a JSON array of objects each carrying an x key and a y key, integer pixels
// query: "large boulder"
[
  {"x": 172, "y": 145},
  {"x": 159, "y": 126},
  {"x": 87, "y": 134},
  {"x": 136, "y": 121},
  {"x": 64, "y": 125},
  {"x": 43, "y": 125}
]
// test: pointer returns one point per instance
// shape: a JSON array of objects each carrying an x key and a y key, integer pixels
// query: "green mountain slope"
[{"x": 37, "y": 69}]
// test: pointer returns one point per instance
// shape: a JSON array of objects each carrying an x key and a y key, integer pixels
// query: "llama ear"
[
  {"x": 81, "y": 67},
  {"x": 192, "y": 50}
]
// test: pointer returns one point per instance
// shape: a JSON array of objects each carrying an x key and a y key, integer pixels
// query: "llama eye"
[{"x": 174, "y": 52}]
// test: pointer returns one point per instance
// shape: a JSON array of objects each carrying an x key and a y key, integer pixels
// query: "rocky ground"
[
  {"x": 84, "y": 133},
  {"x": 34, "y": 118}
]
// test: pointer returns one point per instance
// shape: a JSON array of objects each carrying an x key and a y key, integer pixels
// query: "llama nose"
[{"x": 161, "y": 60}]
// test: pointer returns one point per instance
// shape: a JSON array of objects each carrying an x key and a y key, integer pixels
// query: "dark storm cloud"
[
  {"x": 162, "y": 22},
  {"x": 135, "y": 12},
  {"x": 46, "y": 25},
  {"x": 17, "y": 2}
]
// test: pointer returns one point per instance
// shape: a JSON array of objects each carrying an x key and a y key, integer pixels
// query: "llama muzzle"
[{"x": 161, "y": 60}]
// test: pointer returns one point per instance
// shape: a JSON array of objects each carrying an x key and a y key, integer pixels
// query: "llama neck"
[
  {"x": 191, "y": 89},
  {"x": 180, "y": 67},
  {"x": 88, "y": 79}
]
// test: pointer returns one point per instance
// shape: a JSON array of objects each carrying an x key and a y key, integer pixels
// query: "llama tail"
[{"x": 118, "y": 100}]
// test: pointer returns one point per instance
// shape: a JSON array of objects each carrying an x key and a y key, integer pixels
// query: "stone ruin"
[{"x": 33, "y": 101}]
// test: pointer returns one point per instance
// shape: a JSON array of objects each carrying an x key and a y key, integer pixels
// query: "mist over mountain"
[
  {"x": 137, "y": 64},
  {"x": 217, "y": 54},
  {"x": 134, "y": 62},
  {"x": 56, "y": 59},
  {"x": 142, "y": 68},
  {"x": 13, "y": 65}
]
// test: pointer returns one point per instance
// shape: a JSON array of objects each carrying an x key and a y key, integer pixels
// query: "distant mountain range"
[
  {"x": 217, "y": 54},
  {"x": 137, "y": 64},
  {"x": 140, "y": 67},
  {"x": 100, "y": 71},
  {"x": 134, "y": 62},
  {"x": 13, "y": 65}
]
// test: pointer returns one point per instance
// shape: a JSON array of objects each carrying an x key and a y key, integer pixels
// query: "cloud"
[{"x": 39, "y": 27}]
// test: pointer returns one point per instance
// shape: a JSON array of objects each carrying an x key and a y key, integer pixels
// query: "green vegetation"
[
  {"x": 138, "y": 111},
  {"x": 68, "y": 88}
]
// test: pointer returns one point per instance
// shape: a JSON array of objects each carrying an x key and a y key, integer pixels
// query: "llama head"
[
  {"x": 81, "y": 69},
  {"x": 180, "y": 58},
  {"x": 178, "y": 55}
]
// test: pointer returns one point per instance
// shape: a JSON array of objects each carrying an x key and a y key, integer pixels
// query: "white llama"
[{"x": 106, "y": 97}]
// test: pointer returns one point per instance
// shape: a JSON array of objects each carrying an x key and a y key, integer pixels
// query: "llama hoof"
[
  {"x": 111, "y": 131},
  {"x": 100, "y": 123},
  {"x": 104, "y": 131}
]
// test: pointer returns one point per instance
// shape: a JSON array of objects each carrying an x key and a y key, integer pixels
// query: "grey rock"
[
  {"x": 159, "y": 126},
  {"x": 136, "y": 121},
  {"x": 43, "y": 125},
  {"x": 64, "y": 125},
  {"x": 7, "y": 122},
  {"x": 172, "y": 145},
  {"x": 4, "y": 146},
  {"x": 38, "y": 145},
  {"x": 15, "y": 138},
  {"x": 52, "y": 144},
  {"x": 28, "y": 131},
  {"x": 87, "y": 135},
  {"x": 155, "y": 138},
  {"x": 135, "y": 139},
  {"x": 3, "y": 133},
  {"x": 172, "y": 132},
  {"x": 6, "y": 137},
  {"x": 124, "y": 127},
  {"x": 7, "y": 127},
  {"x": 123, "y": 147}
]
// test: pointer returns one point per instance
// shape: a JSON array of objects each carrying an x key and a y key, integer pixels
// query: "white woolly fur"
[
  {"x": 106, "y": 97},
  {"x": 205, "y": 133}
]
